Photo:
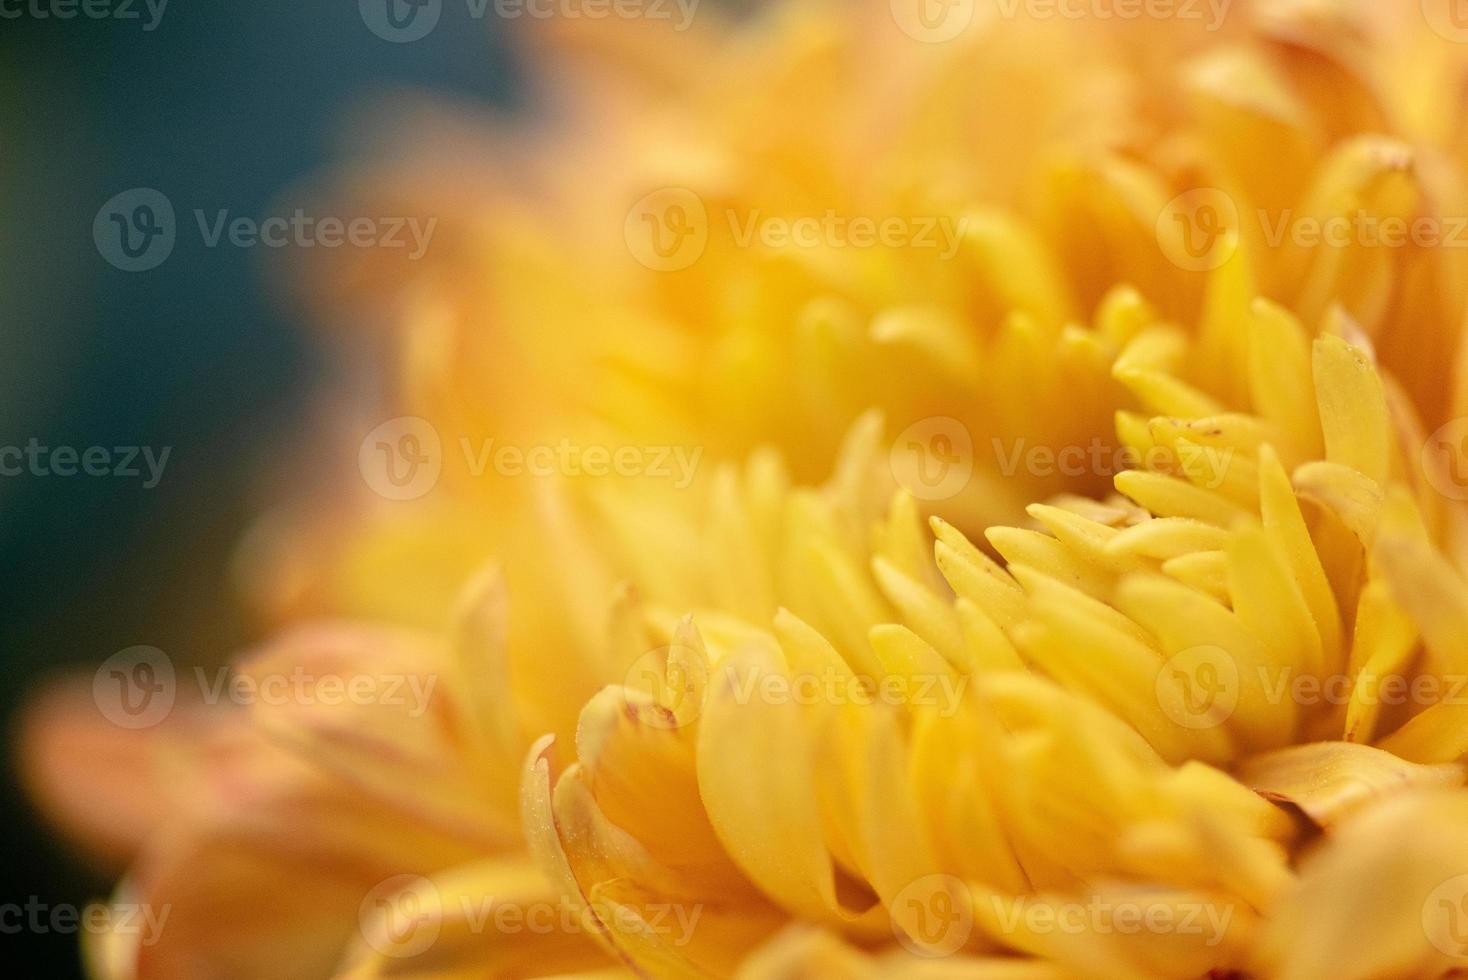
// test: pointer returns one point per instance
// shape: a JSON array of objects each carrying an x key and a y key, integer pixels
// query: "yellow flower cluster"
[{"x": 1129, "y": 637}]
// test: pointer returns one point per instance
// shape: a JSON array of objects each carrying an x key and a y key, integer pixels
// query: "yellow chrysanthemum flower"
[
  {"x": 1160, "y": 713},
  {"x": 933, "y": 764},
  {"x": 1225, "y": 612},
  {"x": 1026, "y": 166}
]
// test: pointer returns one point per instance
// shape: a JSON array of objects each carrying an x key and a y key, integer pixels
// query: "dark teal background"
[{"x": 223, "y": 105}]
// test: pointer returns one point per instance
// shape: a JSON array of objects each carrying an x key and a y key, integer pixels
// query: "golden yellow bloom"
[
  {"x": 1158, "y": 713},
  {"x": 1203, "y": 607},
  {"x": 1044, "y": 159}
]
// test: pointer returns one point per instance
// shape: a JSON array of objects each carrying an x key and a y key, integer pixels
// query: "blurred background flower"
[{"x": 220, "y": 106}]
